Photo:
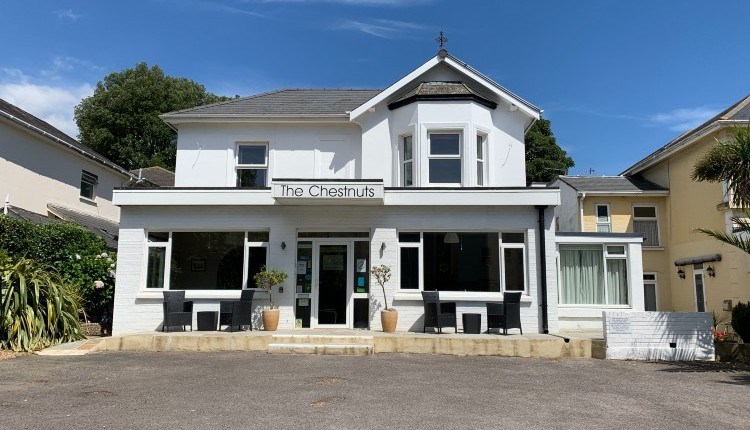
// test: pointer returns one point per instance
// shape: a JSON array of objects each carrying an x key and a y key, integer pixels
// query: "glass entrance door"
[{"x": 332, "y": 292}]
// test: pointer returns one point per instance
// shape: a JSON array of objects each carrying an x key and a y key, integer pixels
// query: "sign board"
[
  {"x": 619, "y": 325},
  {"x": 351, "y": 192}
]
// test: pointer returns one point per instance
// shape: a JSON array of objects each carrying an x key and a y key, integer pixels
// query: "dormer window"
[
  {"x": 408, "y": 162},
  {"x": 252, "y": 165},
  {"x": 445, "y": 159}
]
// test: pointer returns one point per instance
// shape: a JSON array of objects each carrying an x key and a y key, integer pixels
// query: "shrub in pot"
[
  {"x": 266, "y": 280},
  {"x": 388, "y": 316},
  {"x": 741, "y": 321}
]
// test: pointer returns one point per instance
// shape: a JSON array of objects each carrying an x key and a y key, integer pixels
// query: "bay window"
[
  {"x": 593, "y": 275},
  {"x": 481, "y": 155},
  {"x": 252, "y": 165},
  {"x": 444, "y": 161},
  {"x": 408, "y": 162}
]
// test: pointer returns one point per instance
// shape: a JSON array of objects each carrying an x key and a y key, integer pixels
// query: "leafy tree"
[
  {"x": 729, "y": 162},
  {"x": 544, "y": 158},
  {"x": 121, "y": 120}
]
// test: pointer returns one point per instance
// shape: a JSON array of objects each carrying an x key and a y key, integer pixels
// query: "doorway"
[{"x": 331, "y": 295}]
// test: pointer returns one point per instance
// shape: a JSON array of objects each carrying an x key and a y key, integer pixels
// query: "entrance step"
[
  {"x": 320, "y": 348},
  {"x": 323, "y": 339}
]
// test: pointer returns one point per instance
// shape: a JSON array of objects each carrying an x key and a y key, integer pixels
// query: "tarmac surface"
[{"x": 246, "y": 390}]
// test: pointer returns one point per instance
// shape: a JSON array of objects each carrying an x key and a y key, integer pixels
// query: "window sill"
[
  {"x": 87, "y": 200},
  {"x": 461, "y": 296},
  {"x": 199, "y": 294},
  {"x": 652, "y": 248}
]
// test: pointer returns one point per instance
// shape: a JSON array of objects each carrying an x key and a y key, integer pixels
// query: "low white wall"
[{"x": 670, "y": 336}]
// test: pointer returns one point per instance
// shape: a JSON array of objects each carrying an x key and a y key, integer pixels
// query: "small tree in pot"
[
  {"x": 388, "y": 316},
  {"x": 266, "y": 280}
]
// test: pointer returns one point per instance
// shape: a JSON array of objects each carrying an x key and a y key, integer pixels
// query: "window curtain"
[
  {"x": 582, "y": 276},
  {"x": 617, "y": 282},
  {"x": 649, "y": 230}
]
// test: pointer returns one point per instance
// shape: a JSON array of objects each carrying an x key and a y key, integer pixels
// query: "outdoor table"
[
  {"x": 472, "y": 323},
  {"x": 208, "y": 320}
]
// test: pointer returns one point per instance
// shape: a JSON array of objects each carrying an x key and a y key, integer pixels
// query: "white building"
[{"x": 426, "y": 176}]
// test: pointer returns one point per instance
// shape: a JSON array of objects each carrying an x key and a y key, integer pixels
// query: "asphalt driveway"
[{"x": 256, "y": 390}]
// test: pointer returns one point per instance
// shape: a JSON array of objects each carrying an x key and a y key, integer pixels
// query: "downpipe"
[{"x": 543, "y": 269}]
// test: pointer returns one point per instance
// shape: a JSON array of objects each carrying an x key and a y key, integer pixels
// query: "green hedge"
[
  {"x": 741, "y": 321},
  {"x": 80, "y": 256}
]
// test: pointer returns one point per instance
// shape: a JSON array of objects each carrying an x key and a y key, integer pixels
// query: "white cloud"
[
  {"x": 53, "y": 104},
  {"x": 383, "y": 28},
  {"x": 684, "y": 119},
  {"x": 67, "y": 14}
]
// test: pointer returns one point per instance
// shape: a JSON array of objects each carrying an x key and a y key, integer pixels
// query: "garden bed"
[{"x": 732, "y": 352}]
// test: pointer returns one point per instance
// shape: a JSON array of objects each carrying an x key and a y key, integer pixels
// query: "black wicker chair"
[
  {"x": 438, "y": 314},
  {"x": 232, "y": 315},
  {"x": 505, "y": 315},
  {"x": 177, "y": 311}
]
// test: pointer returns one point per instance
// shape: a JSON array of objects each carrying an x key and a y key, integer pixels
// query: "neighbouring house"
[
  {"x": 155, "y": 176},
  {"x": 426, "y": 176},
  {"x": 47, "y": 176},
  {"x": 683, "y": 270}
]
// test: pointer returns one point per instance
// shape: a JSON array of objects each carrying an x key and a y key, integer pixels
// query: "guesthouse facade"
[{"x": 426, "y": 177}]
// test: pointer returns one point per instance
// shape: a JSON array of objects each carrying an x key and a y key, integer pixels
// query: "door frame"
[
  {"x": 697, "y": 272},
  {"x": 315, "y": 291}
]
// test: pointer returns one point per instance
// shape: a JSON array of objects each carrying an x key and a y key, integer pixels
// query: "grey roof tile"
[
  {"x": 613, "y": 184},
  {"x": 286, "y": 102},
  {"x": 106, "y": 228},
  {"x": 156, "y": 175}
]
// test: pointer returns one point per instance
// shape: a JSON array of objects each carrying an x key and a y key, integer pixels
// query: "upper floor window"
[
  {"x": 445, "y": 159},
  {"x": 88, "y": 185},
  {"x": 603, "y": 220},
  {"x": 481, "y": 156},
  {"x": 408, "y": 162},
  {"x": 252, "y": 165},
  {"x": 645, "y": 221}
]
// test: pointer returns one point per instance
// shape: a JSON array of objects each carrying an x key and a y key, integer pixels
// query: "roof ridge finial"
[{"x": 441, "y": 40}]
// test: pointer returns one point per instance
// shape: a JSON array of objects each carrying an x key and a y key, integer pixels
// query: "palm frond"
[{"x": 728, "y": 162}]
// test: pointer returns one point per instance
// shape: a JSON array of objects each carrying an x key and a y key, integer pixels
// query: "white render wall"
[
  {"x": 35, "y": 171},
  {"x": 138, "y": 311},
  {"x": 567, "y": 213},
  {"x": 648, "y": 335}
]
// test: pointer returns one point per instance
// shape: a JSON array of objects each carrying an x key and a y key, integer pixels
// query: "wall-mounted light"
[
  {"x": 681, "y": 273},
  {"x": 710, "y": 271},
  {"x": 382, "y": 246},
  {"x": 451, "y": 237},
  {"x": 283, "y": 245}
]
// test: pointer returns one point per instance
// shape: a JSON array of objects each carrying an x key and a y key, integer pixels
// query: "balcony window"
[
  {"x": 445, "y": 159},
  {"x": 252, "y": 165}
]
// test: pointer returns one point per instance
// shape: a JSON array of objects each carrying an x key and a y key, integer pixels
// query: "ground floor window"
[
  {"x": 461, "y": 261},
  {"x": 593, "y": 275},
  {"x": 205, "y": 260},
  {"x": 649, "y": 292}
]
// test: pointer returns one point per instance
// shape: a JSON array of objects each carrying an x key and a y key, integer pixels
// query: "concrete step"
[
  {"x": 320, "y": 348},
  {"x": 321, "y": 339}
]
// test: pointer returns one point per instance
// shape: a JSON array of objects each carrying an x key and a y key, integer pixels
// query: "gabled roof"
[
  {"x": 156, "y": 175},
  {"x": 737, "y": 113},
  {"x": 490, "y": 85},
  {"x": 427, "y": 91},
  {"x": 613, "y": 184},
  {"x": 283, "y": 103},
  {"x": 30, "y": 122}
]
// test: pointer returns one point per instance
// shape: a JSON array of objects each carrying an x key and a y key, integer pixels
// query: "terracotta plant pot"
[
  {"x": 389, "y": 319},
  {"x": 270, "y": 319}
]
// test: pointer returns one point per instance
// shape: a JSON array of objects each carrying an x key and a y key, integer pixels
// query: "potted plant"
[
  {"x": 388, "y": 316},
  {"x": 266, "y": 280}
]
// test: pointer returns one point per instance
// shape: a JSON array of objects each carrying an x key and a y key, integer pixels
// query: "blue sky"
[{"x": 617, "y": 79}]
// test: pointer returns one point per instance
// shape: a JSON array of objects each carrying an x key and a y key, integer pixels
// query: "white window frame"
[
  {"x": 167, "y": 261},
  {"x": 459, "y": 156},
  {"x": 522, "y": 246},
  {"x": 404, "y": 160},
  {"x": 654, "y": 218},
  {"x": 481, "y": 144},
  {"x": 655, "y": 283},
  {"x": 245, "y": 263},
  {"x": 605, "y": 256},
  {"x": 238, "y": 166},
  {"x": 608, "y": 222},
  {"x": 420, "y": 264},
  {"x": 85, "y": 174}
]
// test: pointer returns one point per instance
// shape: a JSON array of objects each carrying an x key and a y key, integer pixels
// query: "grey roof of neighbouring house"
[
  {"x": 285, "y": 102},
  {"x": 43, "y": 128},
  {"x": 739, "y": 111},
  {"x": 109, "y": 230},
  {"x": 156, "y": 175},
  {"x": 612, "y": 184}
]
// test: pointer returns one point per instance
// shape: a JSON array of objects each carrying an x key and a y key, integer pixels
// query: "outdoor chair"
[
  {"x": 505, "y": 315},
  {"x": 437, "y": 314},
  {"x": 177, "y": 311},
  {"x": 232, "y": 315}
]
